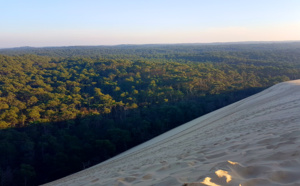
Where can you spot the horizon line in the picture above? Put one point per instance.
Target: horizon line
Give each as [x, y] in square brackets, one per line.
[132, 44]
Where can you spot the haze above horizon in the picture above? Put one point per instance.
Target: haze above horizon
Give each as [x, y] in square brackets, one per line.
[97, 22]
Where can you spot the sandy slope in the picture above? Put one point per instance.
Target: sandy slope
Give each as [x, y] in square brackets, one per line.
[255, 141]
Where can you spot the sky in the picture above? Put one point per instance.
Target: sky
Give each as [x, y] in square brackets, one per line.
[40, 23]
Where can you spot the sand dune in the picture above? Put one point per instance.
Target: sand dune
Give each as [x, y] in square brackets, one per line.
[255, 141]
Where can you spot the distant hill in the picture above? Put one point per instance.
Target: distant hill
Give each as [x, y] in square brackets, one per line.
[152, 49]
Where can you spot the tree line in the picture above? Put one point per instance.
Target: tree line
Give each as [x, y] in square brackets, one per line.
[59, 115]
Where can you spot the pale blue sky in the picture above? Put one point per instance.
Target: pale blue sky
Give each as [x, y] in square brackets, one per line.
[110, 22]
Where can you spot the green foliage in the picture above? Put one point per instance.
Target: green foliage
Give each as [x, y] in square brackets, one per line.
[66, 112]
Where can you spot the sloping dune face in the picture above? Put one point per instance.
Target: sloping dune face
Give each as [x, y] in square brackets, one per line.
[255, 141]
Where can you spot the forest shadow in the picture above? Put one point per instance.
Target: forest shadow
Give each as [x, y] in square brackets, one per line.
[43, 152]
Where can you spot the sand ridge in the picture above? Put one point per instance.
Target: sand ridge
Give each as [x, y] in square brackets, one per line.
[255, 141]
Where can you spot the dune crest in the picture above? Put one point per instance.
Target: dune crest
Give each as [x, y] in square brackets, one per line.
[253, 142]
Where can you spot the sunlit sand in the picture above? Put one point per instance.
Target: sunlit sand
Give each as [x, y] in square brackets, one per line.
[253, 142]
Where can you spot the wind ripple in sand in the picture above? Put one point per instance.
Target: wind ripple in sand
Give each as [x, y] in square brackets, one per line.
[261, 133]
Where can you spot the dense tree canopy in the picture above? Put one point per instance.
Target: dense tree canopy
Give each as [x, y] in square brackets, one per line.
[69, 108]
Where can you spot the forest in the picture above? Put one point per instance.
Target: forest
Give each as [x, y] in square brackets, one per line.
[64, 109]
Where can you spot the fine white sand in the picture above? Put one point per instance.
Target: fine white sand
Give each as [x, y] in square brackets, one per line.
[255, 141]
